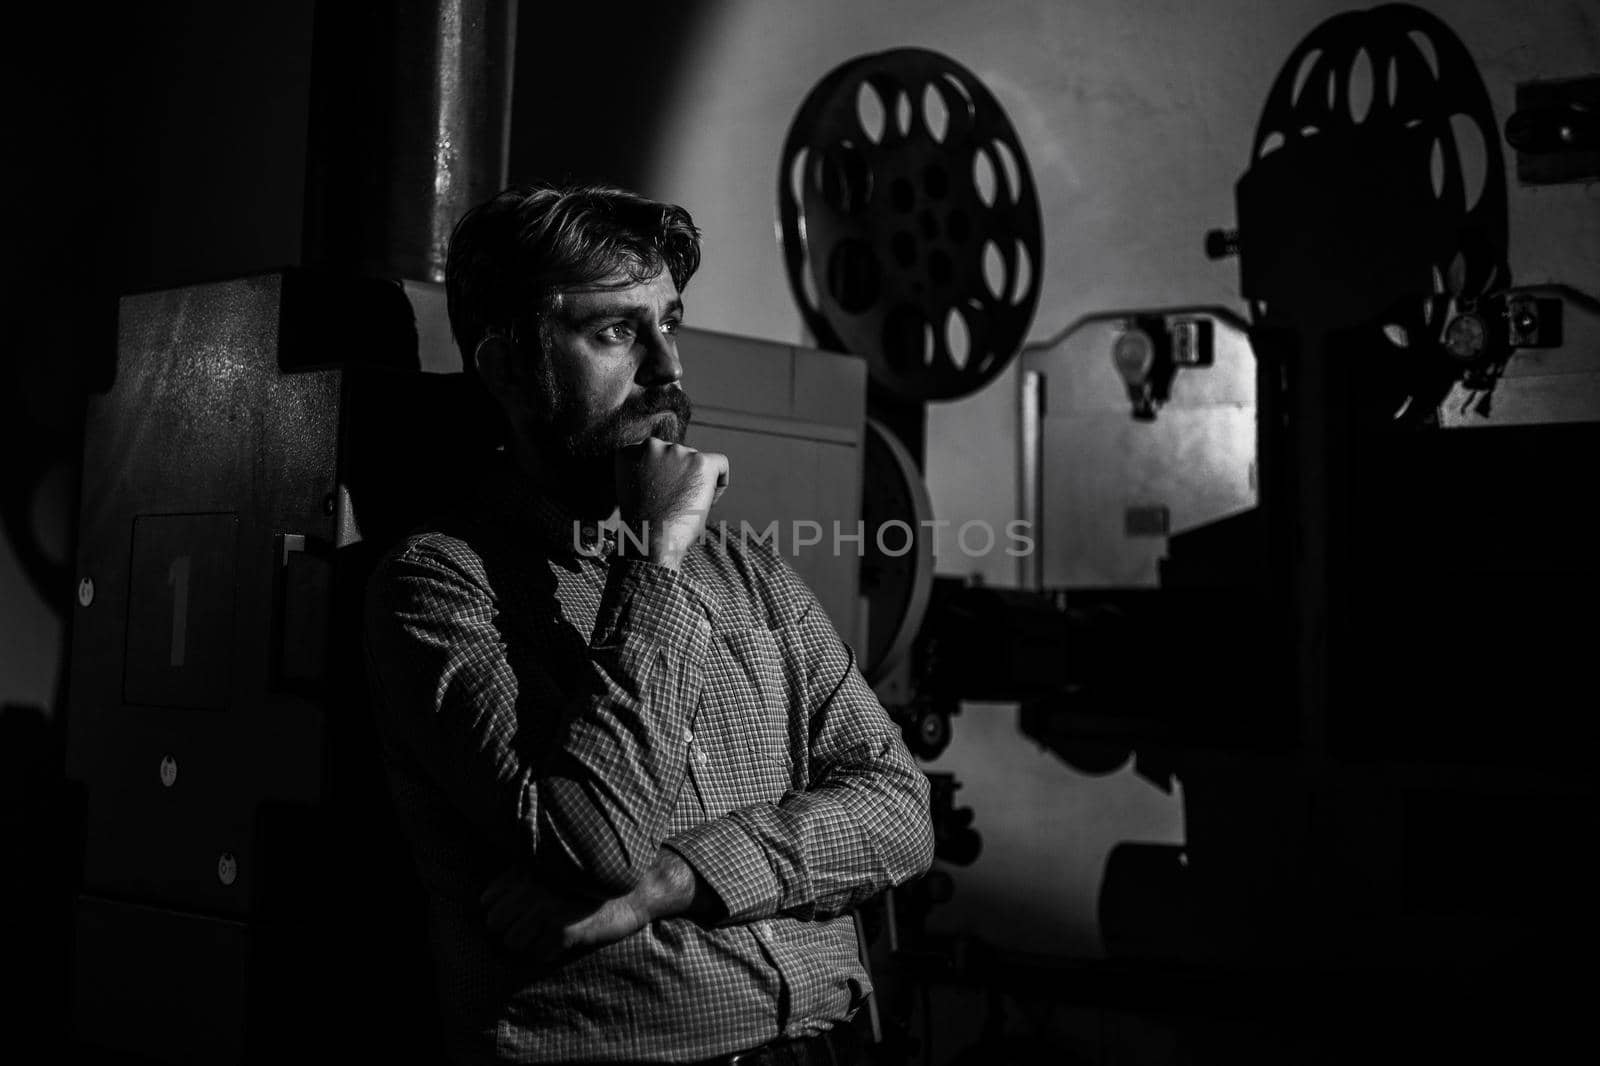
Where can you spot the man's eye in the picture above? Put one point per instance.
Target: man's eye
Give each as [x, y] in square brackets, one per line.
[671, 325]
[617, 331]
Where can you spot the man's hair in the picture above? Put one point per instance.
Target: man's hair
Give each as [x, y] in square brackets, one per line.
[511, 256]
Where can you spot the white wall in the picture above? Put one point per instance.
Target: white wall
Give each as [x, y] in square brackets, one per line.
[1137, 116]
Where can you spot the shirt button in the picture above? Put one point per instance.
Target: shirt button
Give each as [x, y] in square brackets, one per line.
[688, 737]
[765, 927]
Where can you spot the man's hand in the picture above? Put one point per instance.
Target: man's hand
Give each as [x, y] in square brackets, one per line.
[665, 492]
[532, 918]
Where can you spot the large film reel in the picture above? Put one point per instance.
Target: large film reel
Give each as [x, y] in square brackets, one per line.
[1381, 120]
[910, 223]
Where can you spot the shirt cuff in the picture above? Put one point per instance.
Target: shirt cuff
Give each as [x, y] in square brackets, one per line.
[732, 865]
[645, 600]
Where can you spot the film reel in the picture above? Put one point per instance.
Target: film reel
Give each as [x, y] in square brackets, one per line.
[910, 223]
[1381, 120]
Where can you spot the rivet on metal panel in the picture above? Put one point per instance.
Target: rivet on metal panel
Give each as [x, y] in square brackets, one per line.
[227, 868]
[169, 771]
[86, 591]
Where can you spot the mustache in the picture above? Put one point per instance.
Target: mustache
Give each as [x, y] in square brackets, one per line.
[669, 398]
[618, 429]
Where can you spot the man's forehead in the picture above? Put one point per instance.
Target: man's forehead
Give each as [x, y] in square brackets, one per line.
[618, 290]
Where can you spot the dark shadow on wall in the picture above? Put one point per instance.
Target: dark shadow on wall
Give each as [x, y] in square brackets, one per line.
[592, 83]
[203, 143]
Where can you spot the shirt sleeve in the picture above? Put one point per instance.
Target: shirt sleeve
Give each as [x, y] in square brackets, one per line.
[861, 824]
[592, 799]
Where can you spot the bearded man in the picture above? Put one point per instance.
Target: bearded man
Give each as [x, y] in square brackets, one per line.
[642, 776]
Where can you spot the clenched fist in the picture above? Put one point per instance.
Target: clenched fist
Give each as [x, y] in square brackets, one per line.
[665, 492]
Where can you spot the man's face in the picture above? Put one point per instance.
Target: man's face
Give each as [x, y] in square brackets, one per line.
[609, 375]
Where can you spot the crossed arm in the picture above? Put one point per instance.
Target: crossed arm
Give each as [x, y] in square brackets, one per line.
[587, 802]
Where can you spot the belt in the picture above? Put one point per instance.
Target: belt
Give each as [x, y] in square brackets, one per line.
[833, 1047]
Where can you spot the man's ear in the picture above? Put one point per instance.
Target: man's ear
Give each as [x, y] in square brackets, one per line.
[494, 359]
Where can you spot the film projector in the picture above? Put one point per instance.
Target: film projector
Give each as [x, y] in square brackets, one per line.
[912, 237]
[1383, 323]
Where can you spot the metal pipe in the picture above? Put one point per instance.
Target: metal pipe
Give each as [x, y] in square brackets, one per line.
[410, 126]
[1030, 487]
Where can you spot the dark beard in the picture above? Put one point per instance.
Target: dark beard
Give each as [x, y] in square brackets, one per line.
[619, 429]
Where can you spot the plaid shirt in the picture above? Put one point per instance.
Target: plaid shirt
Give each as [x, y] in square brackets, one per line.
[538, 702]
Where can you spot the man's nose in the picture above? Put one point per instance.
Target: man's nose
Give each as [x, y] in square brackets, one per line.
[660, 365]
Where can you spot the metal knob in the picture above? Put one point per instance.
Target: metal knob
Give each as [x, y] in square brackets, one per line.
[1222, 243]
